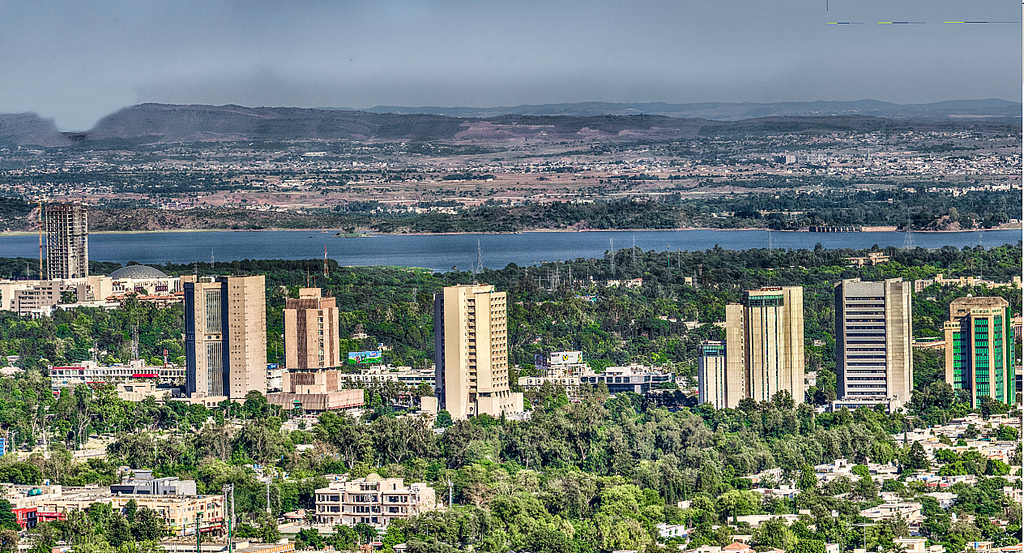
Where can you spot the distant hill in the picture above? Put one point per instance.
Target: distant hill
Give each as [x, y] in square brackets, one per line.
[176, 123]
[23, 129]
[726, 111]
[164, 123]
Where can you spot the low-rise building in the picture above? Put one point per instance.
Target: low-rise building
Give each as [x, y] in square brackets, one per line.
[34, 504]
[909, 510]
[142, 482]
[633, 378]
[317, 403]
[672, 530]
[94, 374]
[372, 500]
[386, 373]
[872, 258]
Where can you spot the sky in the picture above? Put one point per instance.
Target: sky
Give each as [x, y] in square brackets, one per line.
[76, 62]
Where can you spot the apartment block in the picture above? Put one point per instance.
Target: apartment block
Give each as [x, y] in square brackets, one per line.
[874, 333]
[67, 241]
[471, 352]
[764, 343]
[978, 349]
[372, 500]
[225, 336]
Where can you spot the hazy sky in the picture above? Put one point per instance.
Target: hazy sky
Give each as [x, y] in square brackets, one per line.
[78, 61]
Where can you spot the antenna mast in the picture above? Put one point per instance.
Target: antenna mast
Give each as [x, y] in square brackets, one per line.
[325, 260]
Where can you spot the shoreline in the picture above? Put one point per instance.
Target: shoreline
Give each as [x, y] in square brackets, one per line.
[529, 231]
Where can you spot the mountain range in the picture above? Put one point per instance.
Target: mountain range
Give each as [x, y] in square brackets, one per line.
[730, 111]
[165, 123]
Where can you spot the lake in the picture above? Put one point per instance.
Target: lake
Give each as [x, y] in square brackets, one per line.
[442, 252]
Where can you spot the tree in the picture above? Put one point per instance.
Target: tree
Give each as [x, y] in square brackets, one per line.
[8, 520]
[917, 459]
[309, 538]
[1006, 433]
[773, 533]
[8, 540]
[443, 420]
[807, 546]
[808, 480]
[148, 526]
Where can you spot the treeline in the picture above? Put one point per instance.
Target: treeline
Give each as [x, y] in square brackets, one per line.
[782, 210]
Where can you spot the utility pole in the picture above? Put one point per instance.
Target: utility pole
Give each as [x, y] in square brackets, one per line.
[268, 491]
[229, 491]
[199, 538]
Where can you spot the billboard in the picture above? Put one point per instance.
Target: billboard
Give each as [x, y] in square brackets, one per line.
[566, 357]
[358, 357]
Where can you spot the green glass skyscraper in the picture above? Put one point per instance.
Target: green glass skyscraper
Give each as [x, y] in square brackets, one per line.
[978, 348]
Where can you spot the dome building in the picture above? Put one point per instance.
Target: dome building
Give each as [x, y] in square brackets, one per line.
[144, 281]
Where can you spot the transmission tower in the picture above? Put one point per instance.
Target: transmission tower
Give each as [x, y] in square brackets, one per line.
[611, 250]
[479, 258]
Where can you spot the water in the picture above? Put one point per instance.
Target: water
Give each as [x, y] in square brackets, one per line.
[442, 252]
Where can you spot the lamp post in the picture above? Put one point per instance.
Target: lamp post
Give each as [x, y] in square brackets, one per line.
[199, 538]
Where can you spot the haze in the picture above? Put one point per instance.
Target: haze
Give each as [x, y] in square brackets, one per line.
[78, 61]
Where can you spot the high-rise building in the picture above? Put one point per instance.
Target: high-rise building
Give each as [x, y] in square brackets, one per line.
[311, 336]
[712, 384]
[67, 241]
[764, 343]
[471, 352]
[225, 336]
[874, 359]
[978, 349]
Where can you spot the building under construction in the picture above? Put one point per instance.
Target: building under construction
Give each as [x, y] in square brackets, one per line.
[67, 241]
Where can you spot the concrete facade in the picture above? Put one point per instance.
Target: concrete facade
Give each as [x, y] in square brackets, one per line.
[372, 500]
[874, 335]
[225, 336]
[67, 241]
[311, 335]
[764, 344]
[471, 352]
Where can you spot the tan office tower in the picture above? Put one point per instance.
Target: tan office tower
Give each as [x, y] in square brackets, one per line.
[874, 359]
[764, 343]
[226, 336]
[712, 384]
[979, 349]
[67, 241]
[311, 335]
[471, 352]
